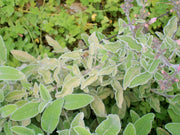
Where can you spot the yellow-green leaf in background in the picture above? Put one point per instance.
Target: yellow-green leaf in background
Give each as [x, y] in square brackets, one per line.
[7, 110]
[26, 111]
[110, 126]
[10, 73]
[22, 56]
[14, 95]
[50, 117]
[3, 52]
[44, 93]
[20, 130]
[98, 107]
[76, 101]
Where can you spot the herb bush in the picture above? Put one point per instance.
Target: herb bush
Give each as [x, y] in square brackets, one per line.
[129, 86]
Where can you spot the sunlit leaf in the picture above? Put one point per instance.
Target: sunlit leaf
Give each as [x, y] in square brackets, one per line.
[81, 130]
[26, 111]
[46, 74]
[20, 130]
[30, 69]
[22, 56]
[76, 101]
[10, 73]
[72, 55]
[3, 51]
[140, 79]
[36, 129]
[129, 130]
[14, 95]
[171, 27]
[44, 93]
[77, 121]
[144, 124]
[50, 117]
[110, 126]
[173, 128]
[89, 81]
[132, 43]
[42, 106]
[130, 74]
[7, 110]
[107, 70]
[98, 107]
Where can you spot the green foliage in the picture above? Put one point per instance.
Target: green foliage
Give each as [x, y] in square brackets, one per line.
[87, 90]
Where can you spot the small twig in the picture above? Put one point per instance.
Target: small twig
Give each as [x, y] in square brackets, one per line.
[164, 95]
[163, 14]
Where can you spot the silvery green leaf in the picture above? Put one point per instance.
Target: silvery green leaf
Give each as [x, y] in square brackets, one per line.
[36, 90]
[155, 103]
[42, 106]
[72, 55]
[20, 130]
[144, 63]
[22, 56]
[77, 121]
[63, 132]
[57, 48]
[76, 101]
[26, 111]
[81, 130]
[56, 76]
[110, 126]
[68, 87]
[158, 76]
[170, 43]
[3, 51]
[7, 110]
[145, 122]
[122, 25]
[89, 81]
[30, 69]
[171, 27]
[1, 96]
[98, 107]
[50, 116]
[134, 116]
[7, 127]
[160, 35]
[47, 75]
[44, 93]
[116, 85]
[107, 70]
[161, 131]
[119, 97]
[140, 79]
[173, 128]
[76, 70]
[10, 73]
[89, 62]
[129, 130]
[148, 53]
[131, 42]
[103, 93]
[36, 129]
[48, 63]
[85, 37]
[15, 95]
[140, 2]
[130, 74]
[154, 65]
[93, 39]
[113, 47]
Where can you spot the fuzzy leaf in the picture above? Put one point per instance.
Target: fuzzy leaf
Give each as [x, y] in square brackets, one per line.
[20, 130]
[140, 79]
[114, 47]
[81, 130]
[144, 124]
[36, 129]
[26, 111]
[46, 74]
[14, 95]
[130, 74]
[155, 103]
[154, 65]
[45, 95]
[132, 43]
[107, 70]
[72, 55]
[110, 126]
[161, 131]
[171, 27]
[1, 96]
[89, 81]
[134, 116]
[22, 56]
[140, 2]
[76, 101]
[10, 73]
[3, 52]
[173, 128]
[7, 110]
[77, 121]
[98, 107]
[129, 130]
[50, 117]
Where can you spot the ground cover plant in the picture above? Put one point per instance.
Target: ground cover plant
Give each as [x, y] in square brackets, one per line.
[127, 86]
